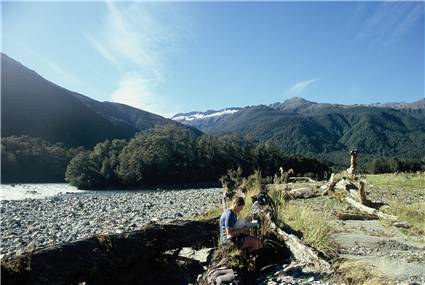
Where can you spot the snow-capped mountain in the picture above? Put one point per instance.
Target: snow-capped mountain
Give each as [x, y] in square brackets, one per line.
[182, 117]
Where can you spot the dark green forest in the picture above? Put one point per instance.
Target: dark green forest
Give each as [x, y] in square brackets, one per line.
[328, 132]
[175, 155]
[164, 155]
[31, 160]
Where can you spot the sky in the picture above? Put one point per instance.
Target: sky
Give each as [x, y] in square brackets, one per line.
[172, 57]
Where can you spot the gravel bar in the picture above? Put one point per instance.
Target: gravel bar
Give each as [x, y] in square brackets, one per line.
[33, 223]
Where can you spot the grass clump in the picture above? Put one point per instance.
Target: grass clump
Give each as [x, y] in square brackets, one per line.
[253, 186]
[413, 214]
[358, 272]
[316, 227]
[210, 214]
[233, 256]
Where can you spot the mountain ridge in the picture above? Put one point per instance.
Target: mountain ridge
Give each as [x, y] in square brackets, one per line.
[328, 131]
[297, 102]
[34, 106]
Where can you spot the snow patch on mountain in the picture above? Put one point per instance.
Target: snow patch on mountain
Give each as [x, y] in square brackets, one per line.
[204, 116]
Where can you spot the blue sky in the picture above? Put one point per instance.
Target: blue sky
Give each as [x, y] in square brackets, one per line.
[178, 57]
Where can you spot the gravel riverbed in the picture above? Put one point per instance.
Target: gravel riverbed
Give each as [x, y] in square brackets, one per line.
[33, 223]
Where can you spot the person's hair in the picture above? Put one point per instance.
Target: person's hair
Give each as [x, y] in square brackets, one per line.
[238, 201]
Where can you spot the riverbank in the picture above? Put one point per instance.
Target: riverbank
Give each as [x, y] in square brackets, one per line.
[33, 223]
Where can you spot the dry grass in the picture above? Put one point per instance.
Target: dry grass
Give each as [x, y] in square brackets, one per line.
[253, 186]
[316, 227]
[210, 214]
[359, 273]
[405, 194]
[233, 255]
[414, 214]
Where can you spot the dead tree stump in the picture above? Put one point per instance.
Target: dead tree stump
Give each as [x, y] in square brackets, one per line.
[362, 193]
[353, 164]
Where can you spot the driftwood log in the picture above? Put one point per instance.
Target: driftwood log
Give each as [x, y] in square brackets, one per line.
[301, 193]
[370, 210]
[360, 217]
[286, 247]
[285, 175]
[302, 253]
[106, 259]
[331, 184]
[345, 184]
[302, 178]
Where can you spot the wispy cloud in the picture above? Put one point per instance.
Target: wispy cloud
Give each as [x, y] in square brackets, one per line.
[390, 21]
[102, 49]
[134, 42]
[134, 90]
[300, 86]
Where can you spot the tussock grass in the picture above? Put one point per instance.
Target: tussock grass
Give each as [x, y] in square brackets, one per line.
[253, 186]
[233, 255]
[315, 226]
[210, 214]
[414, 214]
[359, 272]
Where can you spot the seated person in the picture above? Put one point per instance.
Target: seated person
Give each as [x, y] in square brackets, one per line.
[239, 236]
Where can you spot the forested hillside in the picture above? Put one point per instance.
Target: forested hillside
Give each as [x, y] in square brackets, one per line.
[329, 131]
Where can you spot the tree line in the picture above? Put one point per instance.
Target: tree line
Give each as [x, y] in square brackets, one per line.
[30, 160]
[173, 155]
[388, 165]
[165, 155]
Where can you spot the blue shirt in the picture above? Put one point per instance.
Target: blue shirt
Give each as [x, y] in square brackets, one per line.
[227, 220]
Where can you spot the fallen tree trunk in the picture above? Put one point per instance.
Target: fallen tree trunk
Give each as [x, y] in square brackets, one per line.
[360, 217]
[241, 267]
[331, 184]
[302, 253]
[278, 247]
[369, 210]
[301, 193]
[302, 178]
[106, 259]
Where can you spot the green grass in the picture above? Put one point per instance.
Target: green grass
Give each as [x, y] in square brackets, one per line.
[414, 214]
[405, 194]
[410, 182]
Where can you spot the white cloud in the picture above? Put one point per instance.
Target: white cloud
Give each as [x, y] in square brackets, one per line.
[134, 90]
[134, 41]
[300, 86]
[131, 35]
